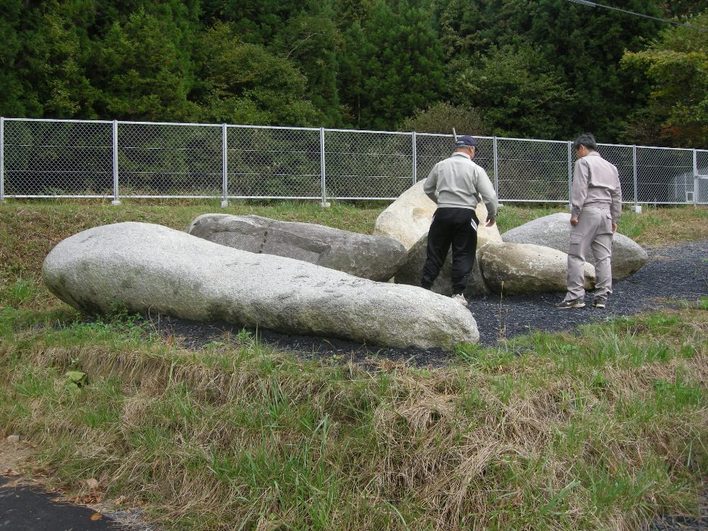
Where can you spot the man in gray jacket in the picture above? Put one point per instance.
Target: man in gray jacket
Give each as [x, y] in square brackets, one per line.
[596, 206]
[455, 184]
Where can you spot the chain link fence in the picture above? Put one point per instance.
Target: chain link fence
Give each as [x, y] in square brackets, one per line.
[112, 159]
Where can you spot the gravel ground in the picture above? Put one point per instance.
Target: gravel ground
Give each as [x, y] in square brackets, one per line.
[675, 273]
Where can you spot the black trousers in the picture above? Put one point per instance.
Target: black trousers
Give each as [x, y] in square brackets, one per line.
[456, 227]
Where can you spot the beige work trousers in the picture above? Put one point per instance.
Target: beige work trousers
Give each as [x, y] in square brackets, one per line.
[593, 233]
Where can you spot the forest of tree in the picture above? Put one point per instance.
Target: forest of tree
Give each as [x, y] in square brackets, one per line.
[522, 68]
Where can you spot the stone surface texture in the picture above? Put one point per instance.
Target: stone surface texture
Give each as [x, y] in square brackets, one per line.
[362, 255]
[554, 231]
[143, 267]
[408, 218]
[515, 268]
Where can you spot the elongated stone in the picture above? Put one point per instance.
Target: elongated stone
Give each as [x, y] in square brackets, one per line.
[144, 267]
[361, 255]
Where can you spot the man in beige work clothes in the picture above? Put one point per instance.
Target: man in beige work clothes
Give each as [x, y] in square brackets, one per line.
[596, 206]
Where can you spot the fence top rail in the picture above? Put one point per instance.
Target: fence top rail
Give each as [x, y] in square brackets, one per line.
[406, 133]
[444, 135]
[63, 120]
[129, 122]
[241, 126]
[533, 140]
[667, 148]
[483, 137]
[449, 135]
[616, 145]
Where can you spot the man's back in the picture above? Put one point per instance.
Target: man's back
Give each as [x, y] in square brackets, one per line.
[596, 182]
[455, 182]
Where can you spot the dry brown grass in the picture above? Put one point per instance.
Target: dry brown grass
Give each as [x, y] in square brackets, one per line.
[450, 448]
[656, 227]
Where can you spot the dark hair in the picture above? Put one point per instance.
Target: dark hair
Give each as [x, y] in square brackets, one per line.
[587, 140]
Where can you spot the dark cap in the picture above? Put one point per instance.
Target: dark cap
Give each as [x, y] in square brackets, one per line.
[466, 141]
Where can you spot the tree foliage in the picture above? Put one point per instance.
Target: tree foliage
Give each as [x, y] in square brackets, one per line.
[522, 94]
[677, 67]
[548, 68]
[399, 65]
[442, 117]
[245, 83]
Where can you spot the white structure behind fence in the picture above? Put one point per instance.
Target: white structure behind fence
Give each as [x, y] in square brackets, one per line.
[116, 159]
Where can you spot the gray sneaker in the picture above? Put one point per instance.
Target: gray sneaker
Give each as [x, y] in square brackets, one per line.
[459, 297]
[599, 302]
[567, 305]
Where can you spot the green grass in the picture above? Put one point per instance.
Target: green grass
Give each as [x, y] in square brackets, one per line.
[601, 428]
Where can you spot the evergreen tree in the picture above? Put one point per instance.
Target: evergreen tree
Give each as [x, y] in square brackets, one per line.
[677, 66]
[245, 83]
[312, 43]
[548, 68]
[394, 63]
[46, 55]
[521, 94]
[443, 117]
[684, 8]
[61, 55]
[143, 72]
[13, 101]
[581, 45]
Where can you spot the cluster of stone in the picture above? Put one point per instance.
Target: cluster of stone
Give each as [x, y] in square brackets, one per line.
[309, 279]
[528, 259]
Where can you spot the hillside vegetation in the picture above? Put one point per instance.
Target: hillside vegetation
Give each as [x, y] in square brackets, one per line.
[543, 69]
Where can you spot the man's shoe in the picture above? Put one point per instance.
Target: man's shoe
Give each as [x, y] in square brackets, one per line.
[599, 302]
[459, 297]
[567, 305]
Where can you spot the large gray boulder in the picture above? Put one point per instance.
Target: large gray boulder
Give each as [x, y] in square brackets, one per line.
[143, 267]
[408, 218]
[554, 231]
[514, 268]
[411, 270]
[362, 255]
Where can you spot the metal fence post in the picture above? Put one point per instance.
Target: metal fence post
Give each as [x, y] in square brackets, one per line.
[2, 159]
[323, 170]
[634, 179]
[570, 173]
[495, 153]
[415, 158]
[116, 197]
[224, 166]
[696, 180]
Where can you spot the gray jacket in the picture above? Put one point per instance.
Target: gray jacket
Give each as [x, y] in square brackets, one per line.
[456, 182]
[595, 184]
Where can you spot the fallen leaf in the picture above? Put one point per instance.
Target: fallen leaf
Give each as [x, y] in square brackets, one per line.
[95, 516]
